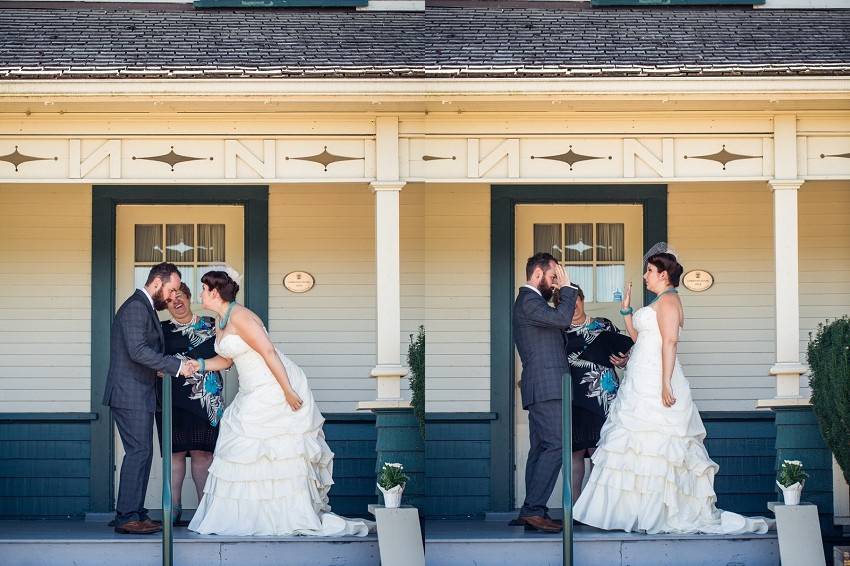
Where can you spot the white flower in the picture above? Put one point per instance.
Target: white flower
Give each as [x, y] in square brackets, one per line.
[793, 463]
[393, 465]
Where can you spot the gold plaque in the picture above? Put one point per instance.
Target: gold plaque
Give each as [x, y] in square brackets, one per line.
[698, 280]
[299, 281]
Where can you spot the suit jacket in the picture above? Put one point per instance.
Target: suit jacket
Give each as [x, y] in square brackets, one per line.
[135, 355]
[538, 334]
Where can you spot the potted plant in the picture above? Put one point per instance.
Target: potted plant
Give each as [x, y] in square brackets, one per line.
[391, 482]
[790, 480]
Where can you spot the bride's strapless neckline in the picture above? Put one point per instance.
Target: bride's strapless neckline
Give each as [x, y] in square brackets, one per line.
[220, 343]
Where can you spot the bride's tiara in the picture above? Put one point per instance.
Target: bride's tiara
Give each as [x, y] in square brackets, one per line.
[660, 248]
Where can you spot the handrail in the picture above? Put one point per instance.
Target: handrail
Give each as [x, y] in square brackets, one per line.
[167, 535]
[567, 465]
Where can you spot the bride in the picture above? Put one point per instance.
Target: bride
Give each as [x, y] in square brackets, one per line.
[271, 470]
[651, 470]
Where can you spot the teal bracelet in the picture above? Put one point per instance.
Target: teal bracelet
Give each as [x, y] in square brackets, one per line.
[202, 365]
[627, 311]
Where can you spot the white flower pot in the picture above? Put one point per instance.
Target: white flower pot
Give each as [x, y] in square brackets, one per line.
[392, 496]
[791, 494]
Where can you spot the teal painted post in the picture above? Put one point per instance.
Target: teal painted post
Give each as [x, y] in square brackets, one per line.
[167, 535]
[399, 440]
[798, 437]
[567, 465]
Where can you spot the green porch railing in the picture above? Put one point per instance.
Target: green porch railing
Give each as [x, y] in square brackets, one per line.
[167, 534]
[567, 465]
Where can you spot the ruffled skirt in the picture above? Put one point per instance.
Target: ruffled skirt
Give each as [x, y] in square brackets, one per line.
[651, 470]
[272, 469]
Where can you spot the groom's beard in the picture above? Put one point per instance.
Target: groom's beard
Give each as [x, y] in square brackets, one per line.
[159, 301]
[545, 291]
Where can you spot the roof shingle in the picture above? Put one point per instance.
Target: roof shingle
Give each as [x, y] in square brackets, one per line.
[122, 41]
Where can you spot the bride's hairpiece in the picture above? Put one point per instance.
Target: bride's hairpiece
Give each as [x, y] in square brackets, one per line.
[232, 273]
[660, 248]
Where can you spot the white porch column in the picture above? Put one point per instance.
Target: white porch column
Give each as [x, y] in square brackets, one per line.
[387, 188]
[786, 249]
[787, 368]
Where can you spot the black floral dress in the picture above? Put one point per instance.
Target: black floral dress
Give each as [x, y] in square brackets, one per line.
[594, 381]
[197, 401]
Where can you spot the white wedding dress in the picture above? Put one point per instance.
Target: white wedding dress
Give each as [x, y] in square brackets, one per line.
[272, 469]
[651, 470]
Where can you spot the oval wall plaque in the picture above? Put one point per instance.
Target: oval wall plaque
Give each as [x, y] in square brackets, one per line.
[698, 280]
[299, 281]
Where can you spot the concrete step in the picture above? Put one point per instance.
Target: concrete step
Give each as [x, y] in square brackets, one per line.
[43, 543]
[491, 543]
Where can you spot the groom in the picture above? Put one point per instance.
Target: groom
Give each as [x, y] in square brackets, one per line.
[136, 356]
[538, 333]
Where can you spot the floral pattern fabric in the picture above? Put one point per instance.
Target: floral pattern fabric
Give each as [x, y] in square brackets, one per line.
[595, 382]
[203, 390]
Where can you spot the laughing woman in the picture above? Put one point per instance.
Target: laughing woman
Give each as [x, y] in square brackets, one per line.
[196, 400]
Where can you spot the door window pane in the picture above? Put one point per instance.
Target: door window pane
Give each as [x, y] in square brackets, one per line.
[579, 244]
[611, 242]
[547, 238]
[148, 243]
[180, 246]
[140, 276]
[610, 280]
[211, 243]
[582, 275]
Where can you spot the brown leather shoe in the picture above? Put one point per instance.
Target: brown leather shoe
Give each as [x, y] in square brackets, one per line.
[138, 528]
[541, 524]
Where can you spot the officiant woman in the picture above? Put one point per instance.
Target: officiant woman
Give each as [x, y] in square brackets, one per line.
[197, 403]
[594, 382]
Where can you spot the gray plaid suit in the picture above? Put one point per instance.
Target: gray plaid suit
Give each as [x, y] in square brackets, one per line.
[136, 346]
[538, 334]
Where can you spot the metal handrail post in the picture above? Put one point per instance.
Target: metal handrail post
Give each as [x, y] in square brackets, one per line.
[567, 465]
[167, 535]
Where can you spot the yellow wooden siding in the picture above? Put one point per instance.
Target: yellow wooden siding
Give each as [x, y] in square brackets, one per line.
[824, 257]
[329, 231]
[412, 242]
[457, 297]
[728, 344]
[45, 313]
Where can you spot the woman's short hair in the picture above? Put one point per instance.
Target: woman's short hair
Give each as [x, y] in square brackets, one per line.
[667, 262]
[185, 289]
[220, 281]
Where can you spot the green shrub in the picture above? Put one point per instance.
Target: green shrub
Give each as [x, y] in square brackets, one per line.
[829, 360]
[416, 363]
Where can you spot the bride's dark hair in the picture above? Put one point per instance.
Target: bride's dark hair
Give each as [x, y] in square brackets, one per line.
[667, 262]
[220, 281]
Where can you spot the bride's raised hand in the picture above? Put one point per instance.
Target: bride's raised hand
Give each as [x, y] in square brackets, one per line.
[293, 399]
[667, 395]
[627, 297]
